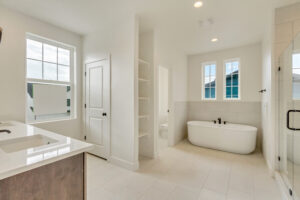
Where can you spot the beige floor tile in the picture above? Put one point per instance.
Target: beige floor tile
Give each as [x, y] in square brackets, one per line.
[242, 182]
[100, 194]
[237, 195]
[140, 183]
[118, 184]
[183, 193]
[218, 180]
[184, 172]
[127, 194]
[164, 186]
[154, 194]
[211, 195]
[191, 178]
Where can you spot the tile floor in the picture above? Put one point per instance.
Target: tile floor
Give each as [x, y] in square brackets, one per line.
[184, 172]
[162, 143]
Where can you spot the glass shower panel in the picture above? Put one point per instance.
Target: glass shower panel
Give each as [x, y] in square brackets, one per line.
[295, 117]
[289, 116]
[285, 97]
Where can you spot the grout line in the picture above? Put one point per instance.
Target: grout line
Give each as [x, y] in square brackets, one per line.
[229, 179]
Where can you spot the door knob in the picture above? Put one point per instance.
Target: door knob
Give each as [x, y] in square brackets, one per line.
[104, 114]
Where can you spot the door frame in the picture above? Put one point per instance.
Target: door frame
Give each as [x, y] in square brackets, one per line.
[170, 105]
[108, 58]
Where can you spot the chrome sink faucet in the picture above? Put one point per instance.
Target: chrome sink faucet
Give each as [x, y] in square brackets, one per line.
[219, 120]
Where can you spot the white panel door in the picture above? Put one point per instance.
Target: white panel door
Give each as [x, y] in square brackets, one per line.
[97, 101]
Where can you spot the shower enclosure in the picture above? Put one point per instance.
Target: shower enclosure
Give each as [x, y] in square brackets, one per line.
[289, 117]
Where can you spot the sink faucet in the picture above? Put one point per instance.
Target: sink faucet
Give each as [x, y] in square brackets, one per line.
[219, 120]
[5, 131]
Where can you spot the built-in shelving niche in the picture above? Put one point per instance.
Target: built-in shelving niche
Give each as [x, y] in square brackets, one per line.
[144, 98]
[145, 90]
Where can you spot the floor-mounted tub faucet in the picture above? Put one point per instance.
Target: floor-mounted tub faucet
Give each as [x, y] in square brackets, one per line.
[220, 120]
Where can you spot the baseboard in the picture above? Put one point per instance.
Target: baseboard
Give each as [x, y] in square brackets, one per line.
[124, 163]
[283, 189]
[270, 169]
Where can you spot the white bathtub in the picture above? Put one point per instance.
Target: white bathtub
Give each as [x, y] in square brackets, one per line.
[233, 138]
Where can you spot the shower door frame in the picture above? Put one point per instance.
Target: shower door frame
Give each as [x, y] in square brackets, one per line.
[284, 125]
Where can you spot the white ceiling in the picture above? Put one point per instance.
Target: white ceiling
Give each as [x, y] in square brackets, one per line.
[236, 22]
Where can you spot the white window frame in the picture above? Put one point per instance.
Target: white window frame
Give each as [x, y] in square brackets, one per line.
[203, 81]
[71, 83]
[224, 79]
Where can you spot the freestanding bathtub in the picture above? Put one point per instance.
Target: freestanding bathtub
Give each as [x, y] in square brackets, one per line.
[233, 138]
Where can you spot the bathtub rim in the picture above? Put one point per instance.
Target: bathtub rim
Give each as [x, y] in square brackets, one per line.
[210, 124]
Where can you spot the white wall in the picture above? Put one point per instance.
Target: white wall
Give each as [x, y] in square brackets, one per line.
[118, 41]
[250, 64]
[268, 123]
[168, 55]
[13, 63]
[163, 94]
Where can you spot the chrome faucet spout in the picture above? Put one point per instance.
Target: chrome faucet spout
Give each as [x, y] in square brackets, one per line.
[220, 120]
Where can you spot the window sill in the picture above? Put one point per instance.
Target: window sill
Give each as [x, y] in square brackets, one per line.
[51, 121]
[220, 101]
[209, 100]
[232, 100]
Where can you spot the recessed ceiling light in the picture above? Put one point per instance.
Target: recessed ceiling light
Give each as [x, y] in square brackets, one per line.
[198, 4]
[215, 40]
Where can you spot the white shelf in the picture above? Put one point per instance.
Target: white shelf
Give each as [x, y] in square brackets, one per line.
[144, 98]
[143, 80]
[141, 61]
[143, 134]
[143, 116]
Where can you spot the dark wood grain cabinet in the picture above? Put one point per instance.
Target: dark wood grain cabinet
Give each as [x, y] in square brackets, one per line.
[61, 180]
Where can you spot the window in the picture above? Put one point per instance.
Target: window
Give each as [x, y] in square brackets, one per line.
[50, 79]
[209, 81]
[232, 80]
[296, 76]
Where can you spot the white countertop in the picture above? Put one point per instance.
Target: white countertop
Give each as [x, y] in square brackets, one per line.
[24, 160]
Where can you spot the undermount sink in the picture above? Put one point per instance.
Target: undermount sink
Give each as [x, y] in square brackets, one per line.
[18, 144]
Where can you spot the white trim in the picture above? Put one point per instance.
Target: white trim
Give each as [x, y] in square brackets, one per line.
[50, 121]
[141, 61]
[124, 163]
[41, 81]
[270, 169]
[296, 51]
[203, 81]
[224, 79]
[42, 39]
